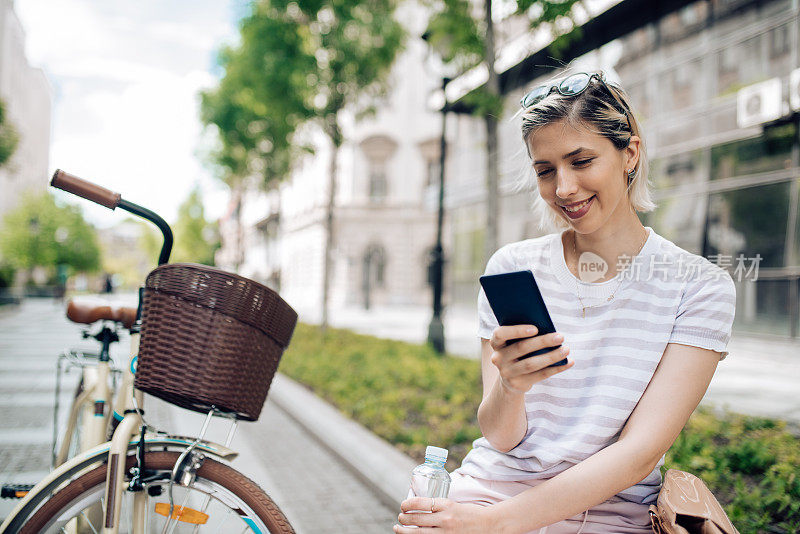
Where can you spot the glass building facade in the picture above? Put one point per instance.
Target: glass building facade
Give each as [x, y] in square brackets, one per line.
[726, 188]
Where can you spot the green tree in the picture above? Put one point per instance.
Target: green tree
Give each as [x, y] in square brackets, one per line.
[259, 103]
[300, 62]
[465, 38]
[8, 136]
[41, 233]
[196, 239]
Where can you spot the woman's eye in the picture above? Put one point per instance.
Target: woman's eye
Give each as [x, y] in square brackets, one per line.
[544, 172]
[583, 162]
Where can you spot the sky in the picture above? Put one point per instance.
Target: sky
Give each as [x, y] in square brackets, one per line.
[125, 78]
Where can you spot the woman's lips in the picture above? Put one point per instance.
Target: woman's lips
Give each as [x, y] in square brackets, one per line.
[581, 212]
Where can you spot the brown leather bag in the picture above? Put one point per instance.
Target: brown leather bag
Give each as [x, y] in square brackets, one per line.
[685, 505]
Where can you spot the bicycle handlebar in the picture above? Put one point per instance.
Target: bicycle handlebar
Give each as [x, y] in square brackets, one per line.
[104, 197]
[82, 188]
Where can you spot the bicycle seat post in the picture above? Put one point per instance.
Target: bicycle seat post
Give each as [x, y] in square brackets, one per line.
[106, 336]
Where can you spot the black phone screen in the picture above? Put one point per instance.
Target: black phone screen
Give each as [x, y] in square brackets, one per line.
[515, 299]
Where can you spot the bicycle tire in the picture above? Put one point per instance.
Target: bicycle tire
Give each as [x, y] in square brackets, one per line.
[212, 471]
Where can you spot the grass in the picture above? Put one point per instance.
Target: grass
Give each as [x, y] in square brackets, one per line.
[411, 397]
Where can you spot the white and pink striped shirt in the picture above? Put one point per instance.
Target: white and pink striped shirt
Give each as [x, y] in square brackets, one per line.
[666, 295]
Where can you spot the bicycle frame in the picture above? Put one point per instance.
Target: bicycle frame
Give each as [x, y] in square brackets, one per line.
[118, 451]
[126, 437]
[94, 401]
[130, 432]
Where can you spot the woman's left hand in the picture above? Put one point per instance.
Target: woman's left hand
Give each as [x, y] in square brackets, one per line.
[446, 516]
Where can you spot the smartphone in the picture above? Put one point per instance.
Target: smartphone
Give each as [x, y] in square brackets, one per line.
[515, 299]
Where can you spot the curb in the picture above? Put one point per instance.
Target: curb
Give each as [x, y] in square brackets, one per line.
[372, 459]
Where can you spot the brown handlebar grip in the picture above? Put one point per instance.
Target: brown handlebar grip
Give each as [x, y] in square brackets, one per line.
[82, 188]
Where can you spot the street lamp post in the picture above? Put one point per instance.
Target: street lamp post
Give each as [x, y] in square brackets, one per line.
[436, 328]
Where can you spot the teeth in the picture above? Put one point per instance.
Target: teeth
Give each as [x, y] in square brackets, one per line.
[579, 206]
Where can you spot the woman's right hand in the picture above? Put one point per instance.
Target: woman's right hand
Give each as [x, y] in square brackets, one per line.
[516, 375]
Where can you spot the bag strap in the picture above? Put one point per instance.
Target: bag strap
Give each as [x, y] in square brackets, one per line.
[655, 521]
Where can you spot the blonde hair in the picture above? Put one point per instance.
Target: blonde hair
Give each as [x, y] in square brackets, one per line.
[604, 109]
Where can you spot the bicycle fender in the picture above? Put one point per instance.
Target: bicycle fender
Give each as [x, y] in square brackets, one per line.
[92, 457]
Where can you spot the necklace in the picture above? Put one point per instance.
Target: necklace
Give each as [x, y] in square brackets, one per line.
[621, 278]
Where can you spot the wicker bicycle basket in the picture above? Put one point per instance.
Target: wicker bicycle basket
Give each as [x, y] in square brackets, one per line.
[211, 339]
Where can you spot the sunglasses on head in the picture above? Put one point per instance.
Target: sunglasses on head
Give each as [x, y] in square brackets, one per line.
[570, 86]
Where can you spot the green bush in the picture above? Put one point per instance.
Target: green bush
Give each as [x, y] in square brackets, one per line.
[402, 392]
[411, 397]
[751, 464]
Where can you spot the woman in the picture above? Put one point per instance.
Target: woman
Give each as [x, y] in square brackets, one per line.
[577, 448]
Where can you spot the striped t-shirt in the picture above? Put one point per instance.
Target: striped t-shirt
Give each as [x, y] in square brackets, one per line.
[665, 295]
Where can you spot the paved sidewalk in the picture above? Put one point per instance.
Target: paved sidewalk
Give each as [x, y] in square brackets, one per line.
[315, 489]
[760, 376]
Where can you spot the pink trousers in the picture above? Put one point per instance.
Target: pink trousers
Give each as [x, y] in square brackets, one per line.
[615, 516]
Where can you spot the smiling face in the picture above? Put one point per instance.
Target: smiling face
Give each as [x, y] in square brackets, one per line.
[582, 176]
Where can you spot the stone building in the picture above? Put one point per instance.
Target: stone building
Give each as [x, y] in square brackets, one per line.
[27, 95]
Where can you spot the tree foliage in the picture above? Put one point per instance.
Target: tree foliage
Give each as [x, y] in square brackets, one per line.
[300, 62]
[458, 32]
[296, 62]
[196, 239]
[262, 97]
[41, 233]
[8, 136]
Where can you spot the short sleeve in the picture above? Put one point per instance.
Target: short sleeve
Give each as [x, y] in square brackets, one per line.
[706, 311]
[501, 261]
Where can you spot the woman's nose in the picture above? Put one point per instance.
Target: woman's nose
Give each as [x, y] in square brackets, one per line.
[566, 185]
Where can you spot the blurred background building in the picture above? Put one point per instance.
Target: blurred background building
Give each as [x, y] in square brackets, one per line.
[28, 98]
[715, 84]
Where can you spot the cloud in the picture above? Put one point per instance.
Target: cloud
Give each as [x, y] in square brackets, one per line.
[127, 77]
[143, 141]
[106, 69]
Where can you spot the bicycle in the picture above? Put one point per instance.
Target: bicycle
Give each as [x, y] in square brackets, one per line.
[144, 480]
[91, 407]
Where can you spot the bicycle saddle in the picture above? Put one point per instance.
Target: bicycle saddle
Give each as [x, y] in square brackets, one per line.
[90, 312]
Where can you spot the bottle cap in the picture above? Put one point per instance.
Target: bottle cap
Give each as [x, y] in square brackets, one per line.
[436, 454]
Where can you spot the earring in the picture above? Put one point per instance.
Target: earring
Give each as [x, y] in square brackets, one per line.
[631, 175]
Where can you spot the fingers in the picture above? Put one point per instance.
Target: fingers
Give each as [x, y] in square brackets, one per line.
[420, 504]
[416, 512]
[399, 529]
[418, 519]
[526, 346]
[507, 354]
[502, 334]
[539, 362]
[550, 371]
[520, 375]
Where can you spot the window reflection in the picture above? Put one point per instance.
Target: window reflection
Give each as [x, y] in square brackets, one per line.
[769, 152]
[681, 220]
[749, 221]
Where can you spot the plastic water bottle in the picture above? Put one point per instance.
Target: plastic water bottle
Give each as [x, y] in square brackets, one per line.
[431, 479]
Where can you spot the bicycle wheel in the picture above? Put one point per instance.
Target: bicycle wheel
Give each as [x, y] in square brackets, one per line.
[226, 499]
